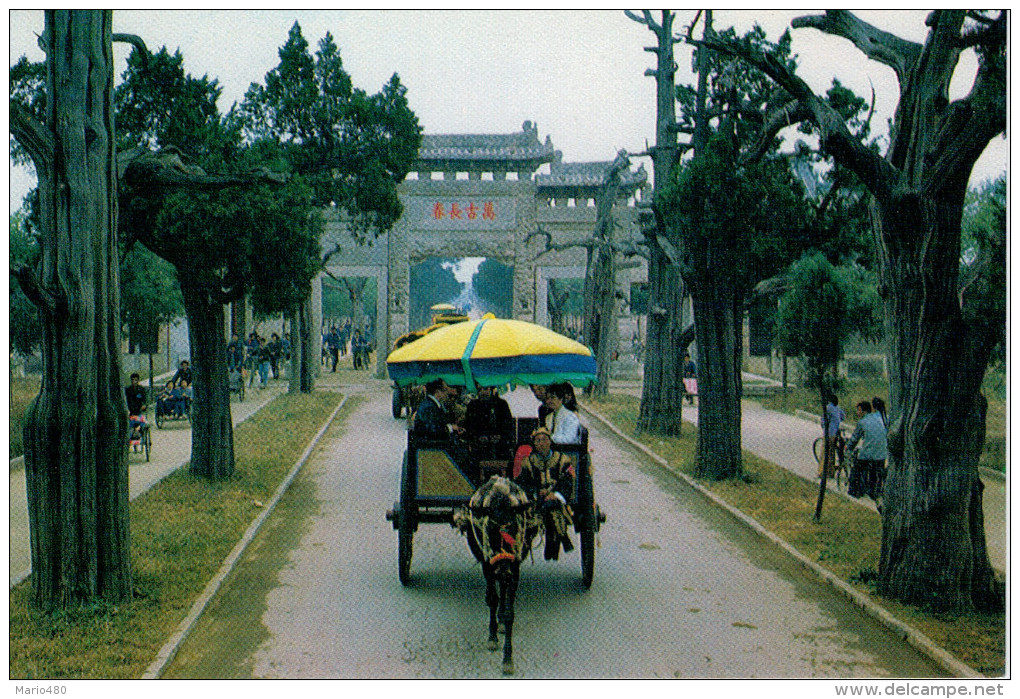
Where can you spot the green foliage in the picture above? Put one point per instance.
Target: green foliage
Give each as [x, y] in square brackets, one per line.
[741, 223]
[158, 105]
[733, 83]
[432, 281]
[983, 264]
[149, 294]
[254, 239]
[25, 327]
[27, 90]
[353, 148]
[494, 285]
[336, 299]
[824, 307]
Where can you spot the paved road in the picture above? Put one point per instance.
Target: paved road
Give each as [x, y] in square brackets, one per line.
[171, 448]
[680, 589]
[786, 440]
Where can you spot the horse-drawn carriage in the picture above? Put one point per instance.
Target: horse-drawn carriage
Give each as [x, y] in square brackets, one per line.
[438, 478]
[444, 480]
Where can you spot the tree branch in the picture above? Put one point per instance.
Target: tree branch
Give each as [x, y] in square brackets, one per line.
[773, 286]
[587, 243]
[669, 250]
[899, 54]
[778, 119]
[33, 136]
[646, 18]
[166, 170]
[48, 301]
[329, 255]
[135, 41]
[874, 171]
[970, 123]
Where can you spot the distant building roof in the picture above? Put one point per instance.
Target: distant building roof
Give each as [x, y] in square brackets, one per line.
[514, 151]
[568, 179]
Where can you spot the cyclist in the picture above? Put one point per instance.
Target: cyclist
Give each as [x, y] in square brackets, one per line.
[834, 416]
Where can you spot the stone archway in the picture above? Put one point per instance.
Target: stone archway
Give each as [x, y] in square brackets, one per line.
[482, 195]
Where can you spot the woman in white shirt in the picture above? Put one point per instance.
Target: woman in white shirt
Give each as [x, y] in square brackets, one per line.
[561, 422]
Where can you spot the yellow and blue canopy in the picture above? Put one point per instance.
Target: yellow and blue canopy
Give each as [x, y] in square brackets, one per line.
[492, 352]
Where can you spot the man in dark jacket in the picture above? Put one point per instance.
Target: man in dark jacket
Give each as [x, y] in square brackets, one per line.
[432, 419]
[135, 395]
[490, 424]
[183, 374]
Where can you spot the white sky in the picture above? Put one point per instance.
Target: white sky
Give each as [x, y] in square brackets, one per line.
[578, 74]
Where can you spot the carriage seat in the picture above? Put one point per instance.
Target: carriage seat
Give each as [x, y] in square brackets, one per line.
[493, 467]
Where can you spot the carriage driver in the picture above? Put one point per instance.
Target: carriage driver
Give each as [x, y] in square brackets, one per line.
[548, 478]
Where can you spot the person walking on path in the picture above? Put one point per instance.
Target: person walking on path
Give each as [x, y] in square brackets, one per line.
[866, 477]
[690, 378]
[264, 358]
[334, 343]
[275, 352]
[831, 422]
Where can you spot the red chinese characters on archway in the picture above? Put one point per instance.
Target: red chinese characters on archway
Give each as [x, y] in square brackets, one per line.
[469, 211]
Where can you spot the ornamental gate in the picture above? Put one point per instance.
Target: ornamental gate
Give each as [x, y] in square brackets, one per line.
[482, 195]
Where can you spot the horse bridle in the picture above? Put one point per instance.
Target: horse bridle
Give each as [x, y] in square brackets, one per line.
[481, 517]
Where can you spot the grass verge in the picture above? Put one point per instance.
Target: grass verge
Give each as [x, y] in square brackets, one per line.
[847, 541]
[181, 531]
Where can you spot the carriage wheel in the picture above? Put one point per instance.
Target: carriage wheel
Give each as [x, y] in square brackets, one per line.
[398, 404]
[588, 524]
[159, 419]
[587, 556]
[405, 549]
[407, 525]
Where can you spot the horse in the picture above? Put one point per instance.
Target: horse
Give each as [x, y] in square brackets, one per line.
[500, 524]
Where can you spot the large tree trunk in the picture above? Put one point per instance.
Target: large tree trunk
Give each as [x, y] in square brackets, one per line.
[212, 428]
[604, 318]
[661, 393]
[600, 278]
[76, 429]
[933, 490]
[305, 351]
[717, 322]
[556, 301]
[297, 350]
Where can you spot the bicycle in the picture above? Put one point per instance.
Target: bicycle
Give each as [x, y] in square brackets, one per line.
[841, 468]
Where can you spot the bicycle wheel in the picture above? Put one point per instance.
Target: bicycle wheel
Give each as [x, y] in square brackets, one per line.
[819, 449]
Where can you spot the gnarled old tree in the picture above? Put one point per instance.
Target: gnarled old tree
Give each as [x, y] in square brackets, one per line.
[941, 331]
[600, 331]
[734, 217]
[76, 428]
[666, 341]
[247, 231]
